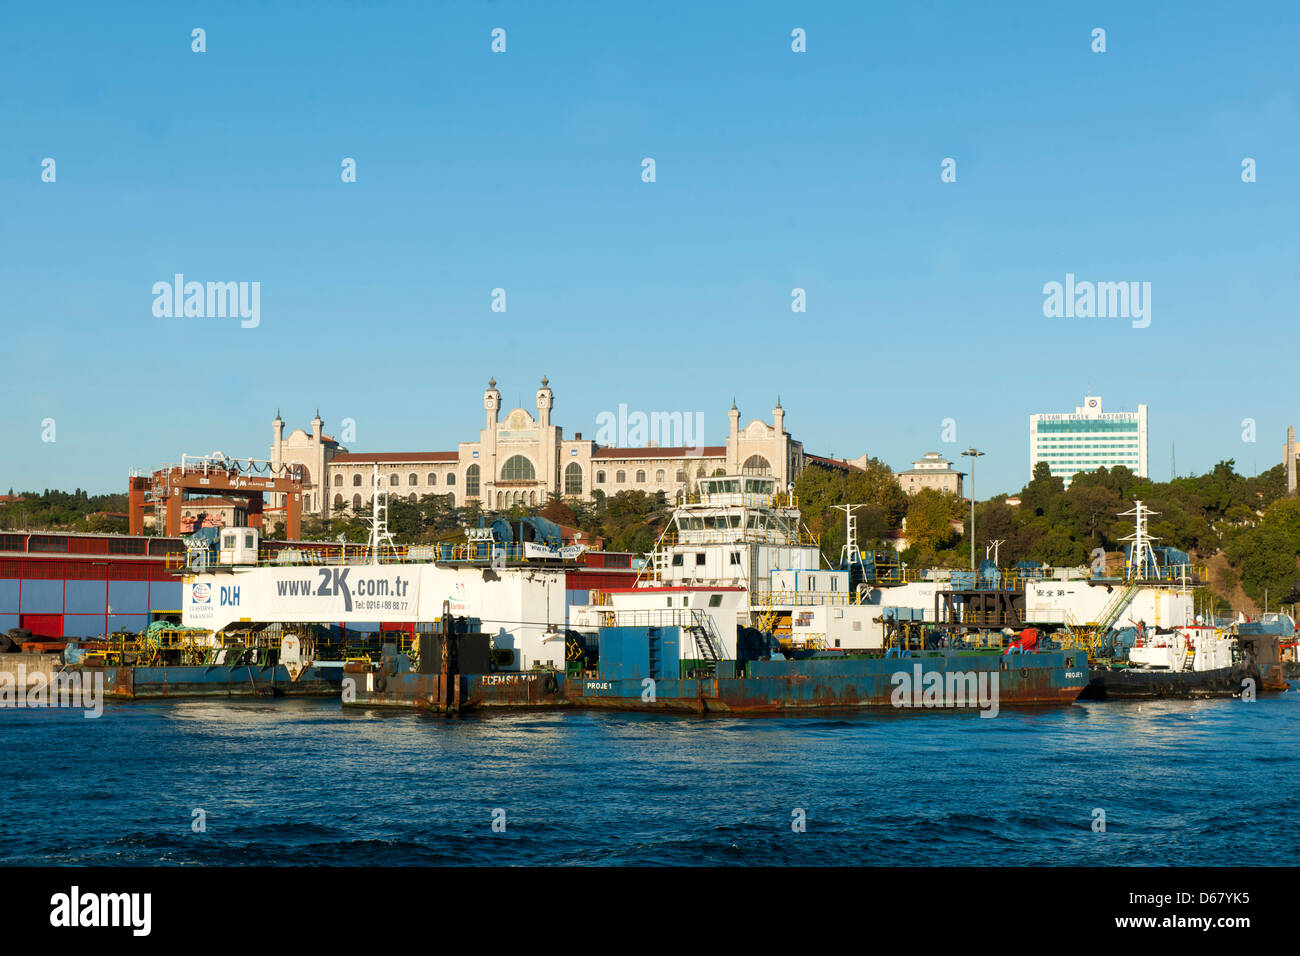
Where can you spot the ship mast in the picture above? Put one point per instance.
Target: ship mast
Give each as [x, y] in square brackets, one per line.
[379, 533]
[1142, 556]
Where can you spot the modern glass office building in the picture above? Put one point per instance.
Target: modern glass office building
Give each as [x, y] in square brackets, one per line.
[1089, 439]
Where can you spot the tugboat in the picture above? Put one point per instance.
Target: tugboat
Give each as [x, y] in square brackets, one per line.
[1200, 660]
[1190, 660]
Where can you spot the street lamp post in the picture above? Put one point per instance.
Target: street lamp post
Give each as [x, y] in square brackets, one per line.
[972, 454]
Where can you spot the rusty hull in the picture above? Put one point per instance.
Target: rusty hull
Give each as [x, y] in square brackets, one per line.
[176, 682]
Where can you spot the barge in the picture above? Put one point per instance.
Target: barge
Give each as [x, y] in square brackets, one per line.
[654, 668]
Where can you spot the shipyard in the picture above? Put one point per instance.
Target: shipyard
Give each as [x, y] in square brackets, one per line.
[735, 608]
[520, 445]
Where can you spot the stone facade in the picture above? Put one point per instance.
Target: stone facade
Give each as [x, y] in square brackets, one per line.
[931, 470]
[524, 458]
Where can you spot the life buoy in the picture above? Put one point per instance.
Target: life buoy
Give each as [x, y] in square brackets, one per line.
[381, 683]
[550, 684]
[1024, 673]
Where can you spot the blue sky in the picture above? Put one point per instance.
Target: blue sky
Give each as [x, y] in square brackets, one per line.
[522, 171]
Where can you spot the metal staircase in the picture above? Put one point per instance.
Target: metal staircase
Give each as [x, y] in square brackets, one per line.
[1089, 635]
[767, 613]
[707, 640]
[1110, 614]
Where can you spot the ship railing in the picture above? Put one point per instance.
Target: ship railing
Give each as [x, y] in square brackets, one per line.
[801, 598]
[478, 552]
[683, 617]
[746, 499]
[774, 536]
[894, 575]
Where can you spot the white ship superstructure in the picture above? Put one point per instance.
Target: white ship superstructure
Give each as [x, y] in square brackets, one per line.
[738, 552]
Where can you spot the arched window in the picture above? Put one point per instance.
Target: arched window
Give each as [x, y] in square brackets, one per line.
[659, 476]
[699, 472]
[640, 477]
[600, 477]
[413, 479]
[411, 499]
[681, 476]
[392, 480]
[573, 479]
[356, 502]
[338, 501]
[433, 479]
[517, 468]
[451, 478]
[756, 465]
[338, 481]
[356, 481]
[471, 481]
[620, 477]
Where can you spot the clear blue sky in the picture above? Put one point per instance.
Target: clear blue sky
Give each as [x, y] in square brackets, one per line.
[775, 170]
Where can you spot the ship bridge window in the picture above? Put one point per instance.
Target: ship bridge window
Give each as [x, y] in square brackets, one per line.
[699, 558]
[677, 560]
[715, 600]
[735, 557]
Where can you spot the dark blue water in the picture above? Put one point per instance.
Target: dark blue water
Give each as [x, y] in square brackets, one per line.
[299, 782]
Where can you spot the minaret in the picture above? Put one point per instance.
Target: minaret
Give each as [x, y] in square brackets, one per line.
[733, 440]
[781, 456]
[277, 430]
[316, 480]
